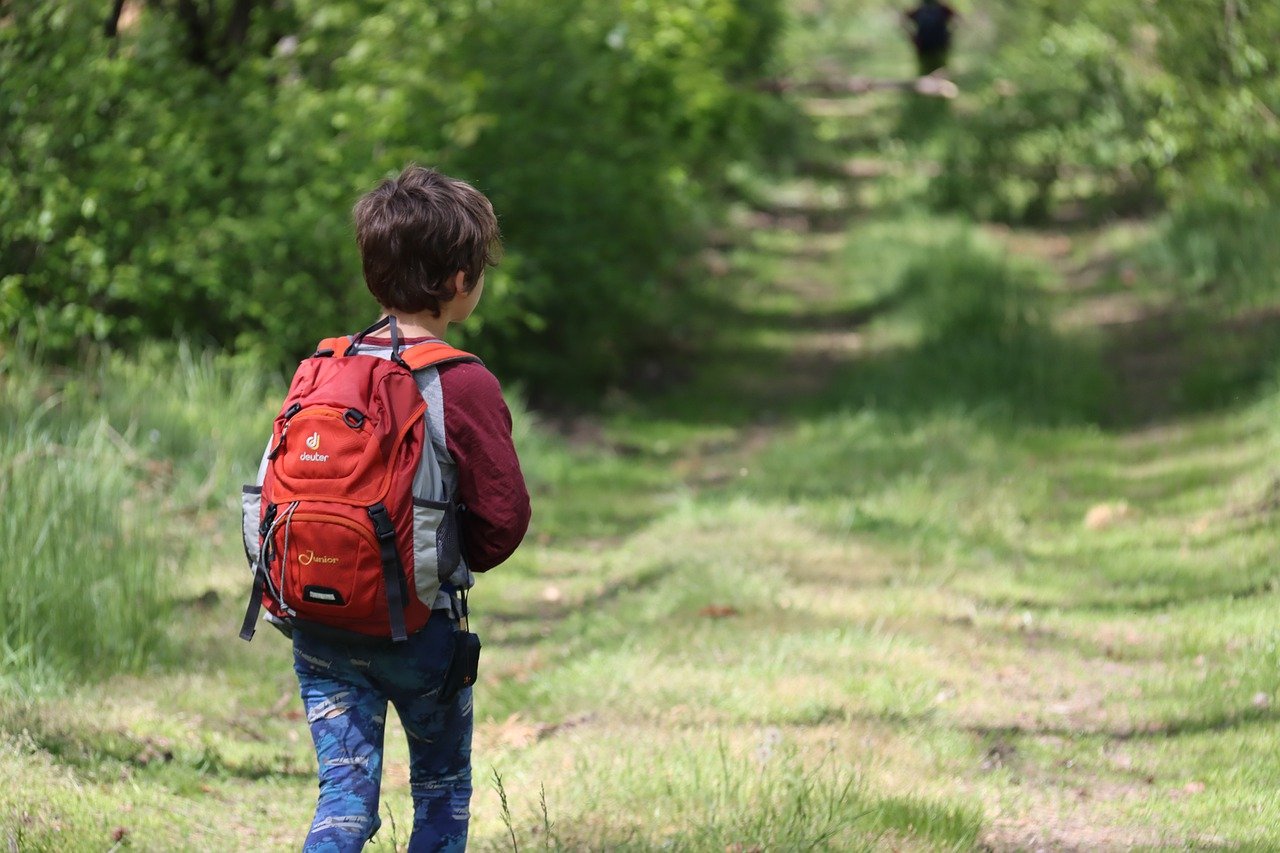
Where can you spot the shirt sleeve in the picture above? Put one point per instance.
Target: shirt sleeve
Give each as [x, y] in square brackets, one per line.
[490, 483]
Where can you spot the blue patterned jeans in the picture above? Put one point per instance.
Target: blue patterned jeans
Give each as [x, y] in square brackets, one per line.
[345, 689]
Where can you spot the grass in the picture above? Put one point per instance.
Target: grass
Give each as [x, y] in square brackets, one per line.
[82, 576]
[859, 576]
[107, 487]
[1220, 250]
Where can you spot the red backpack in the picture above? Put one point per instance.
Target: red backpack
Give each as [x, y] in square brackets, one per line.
[336, 538]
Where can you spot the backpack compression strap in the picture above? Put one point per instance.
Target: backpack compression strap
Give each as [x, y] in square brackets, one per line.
[392, 570]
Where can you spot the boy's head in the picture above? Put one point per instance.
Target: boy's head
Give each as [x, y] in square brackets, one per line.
[417, 232]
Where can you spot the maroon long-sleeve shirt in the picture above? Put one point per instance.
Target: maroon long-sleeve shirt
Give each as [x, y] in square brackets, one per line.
[490, 483]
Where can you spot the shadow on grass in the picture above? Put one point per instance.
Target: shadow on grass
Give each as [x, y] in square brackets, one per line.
[105, 752]
[1113, 599]
[529, 626]
[985, 347]
[1214, 722]
[1183, 362]
[981, 346]
[1031, 376]
[921, 117]
[803, 218]
[843, 319]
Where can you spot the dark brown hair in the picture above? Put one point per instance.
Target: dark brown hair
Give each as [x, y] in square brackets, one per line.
[416, 231]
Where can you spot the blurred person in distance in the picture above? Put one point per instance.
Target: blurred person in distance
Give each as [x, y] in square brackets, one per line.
[929, 26]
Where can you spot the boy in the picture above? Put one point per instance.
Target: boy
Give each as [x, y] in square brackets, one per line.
[930, 25]
[425, 240]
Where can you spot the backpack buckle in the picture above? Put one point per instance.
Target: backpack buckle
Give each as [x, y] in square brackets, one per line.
[382, 527]
[268, 518]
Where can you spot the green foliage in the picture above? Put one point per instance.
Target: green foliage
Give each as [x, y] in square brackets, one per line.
[1062, 116]
[145, 194]
[1117, 105]
[604, 130]
[1219, 118]
[84, 579]
[170, 184]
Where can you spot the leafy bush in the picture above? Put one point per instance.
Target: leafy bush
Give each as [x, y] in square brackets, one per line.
[1219, 118]
[605, 132]
[199, 182]
[1119, 105]
[1063, 118]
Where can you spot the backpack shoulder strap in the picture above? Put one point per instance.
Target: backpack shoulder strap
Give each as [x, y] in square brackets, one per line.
[433, 353]
[333, 346]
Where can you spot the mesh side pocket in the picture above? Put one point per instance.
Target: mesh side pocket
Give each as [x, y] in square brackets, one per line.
[430, 530]
[448, 548]
[251, 518]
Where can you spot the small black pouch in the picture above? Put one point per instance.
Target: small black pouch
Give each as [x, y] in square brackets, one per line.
[463, 666]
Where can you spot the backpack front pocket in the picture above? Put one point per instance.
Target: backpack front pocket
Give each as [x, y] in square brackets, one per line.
[331, 568]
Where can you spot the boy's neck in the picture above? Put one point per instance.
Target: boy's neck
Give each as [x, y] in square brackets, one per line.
[421, 325]
[453, 310]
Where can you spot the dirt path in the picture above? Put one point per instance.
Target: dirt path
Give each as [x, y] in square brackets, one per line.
[1049, 702]
[1023, 694]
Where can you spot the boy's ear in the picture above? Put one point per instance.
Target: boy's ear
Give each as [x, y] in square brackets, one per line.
[459, 283]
